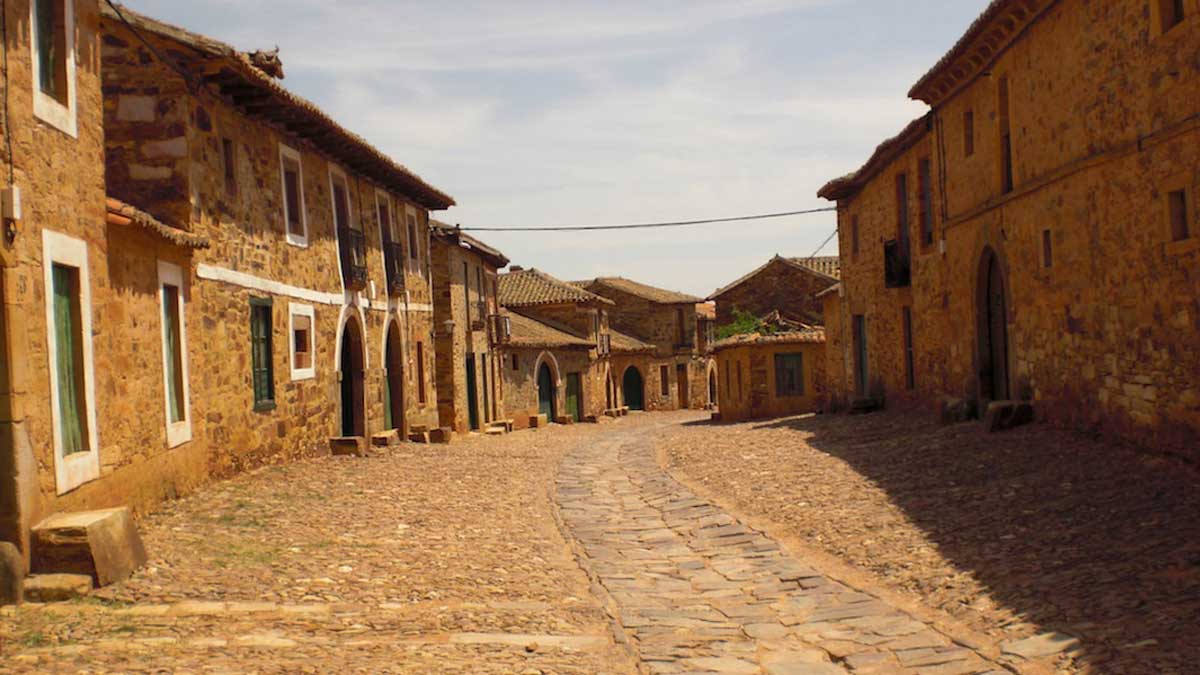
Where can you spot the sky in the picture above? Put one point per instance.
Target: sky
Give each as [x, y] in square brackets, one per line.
[539, 113]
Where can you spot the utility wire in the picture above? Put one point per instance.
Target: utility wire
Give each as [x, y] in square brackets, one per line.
[643, 226]
[823, 245]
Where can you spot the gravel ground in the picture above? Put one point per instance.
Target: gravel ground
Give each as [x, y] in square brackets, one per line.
[422, 559]
[1012, 535]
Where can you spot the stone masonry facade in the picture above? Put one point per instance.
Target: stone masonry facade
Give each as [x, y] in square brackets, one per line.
[1052, 239]
[787, 285]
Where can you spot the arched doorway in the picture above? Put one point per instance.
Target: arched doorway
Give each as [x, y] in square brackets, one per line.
[633, 388]
[547, 392]
[994, 380]
[712, 386]
[393, 386]
[351, 367]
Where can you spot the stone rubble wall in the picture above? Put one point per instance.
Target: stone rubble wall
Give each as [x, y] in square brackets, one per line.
[780, 286]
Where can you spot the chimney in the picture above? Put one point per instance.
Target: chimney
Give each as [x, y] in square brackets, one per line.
[515, 268]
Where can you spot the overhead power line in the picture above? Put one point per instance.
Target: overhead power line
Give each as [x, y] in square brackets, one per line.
[823, 245]
[644, 226]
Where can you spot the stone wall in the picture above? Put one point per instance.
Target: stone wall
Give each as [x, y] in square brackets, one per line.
[757, 397]
[521, 387]
[468, 336]
[1102, 335]
[781, 285]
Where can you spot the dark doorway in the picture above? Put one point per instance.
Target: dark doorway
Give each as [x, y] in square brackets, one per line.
[353, 421]
[712, 387]
[860, 355]
[393, 389]
[610, 392]
[574, 397]
[993, 330]
[472, 398]
[633, 389]
[546, 392]
[681, 385]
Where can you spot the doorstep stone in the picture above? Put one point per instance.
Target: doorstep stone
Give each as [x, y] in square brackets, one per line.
[57, 587]
[954, 410]
[387, 438]
[102, 544]
[348, 446]
[1002, 415]
[12, 574]
[538, 421]
[564, 419]
[441, 435]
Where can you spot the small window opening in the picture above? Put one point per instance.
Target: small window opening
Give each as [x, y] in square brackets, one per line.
[302, 339]
[516, 362]
[1172, 13]
[1178, 211]
[925, 178]
[293, 205]
[229, 159]
[1047, 249]
[50, 26]
[969, 133]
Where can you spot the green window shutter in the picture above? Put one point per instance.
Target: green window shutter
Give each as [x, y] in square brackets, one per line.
[174, 374]
[68, 358]
[260, 353]
[789, 374]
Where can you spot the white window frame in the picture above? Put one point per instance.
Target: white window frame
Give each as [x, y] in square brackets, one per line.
[179, 432]
[414, 242]
[382, 197]
[46, 107]
[336, 172]
[71, 472]
[295, 310]
[285, 153]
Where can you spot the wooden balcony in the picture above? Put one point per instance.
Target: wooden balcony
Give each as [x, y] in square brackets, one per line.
[352, 247]
[500, 332]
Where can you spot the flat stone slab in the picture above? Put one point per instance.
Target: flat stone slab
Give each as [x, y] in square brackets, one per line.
[1038, 646]
[57, 587]
[102, 544]
[349, 446]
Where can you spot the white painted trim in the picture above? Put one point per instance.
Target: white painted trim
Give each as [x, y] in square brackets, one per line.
[295, 310]
[71, 472]
[179, 432]
[272, 287]
[286, 152]
[46, 107]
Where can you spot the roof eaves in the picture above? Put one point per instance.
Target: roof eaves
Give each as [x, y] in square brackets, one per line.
[849, 185]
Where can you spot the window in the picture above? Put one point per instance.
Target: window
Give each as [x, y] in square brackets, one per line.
[909, 366]
[262, 373]
[383, 206]
[302, 327]
[69, 348]
[52, 39]
[789, 374]
[854, 236]
[1170, 14]
[481, 296]
[968, 133]
[229, 159]
[294, 215]
[412, 238]
[1177, 211]
[339, 189]
[421, 373]
[516, 363]
[902, 209]
[466, 286]
[925, 180]
[664, 377]
[1047, 250]
[175, 362]
[1006, 158]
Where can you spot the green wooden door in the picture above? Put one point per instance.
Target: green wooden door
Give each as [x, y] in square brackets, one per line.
[68, 358]
[472, 398]
[574, 397]
[546, 403]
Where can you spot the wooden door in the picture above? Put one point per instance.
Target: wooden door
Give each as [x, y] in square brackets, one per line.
[472, 397]
[574, 397]
[633, 389]
[681, 385]
[546, 393]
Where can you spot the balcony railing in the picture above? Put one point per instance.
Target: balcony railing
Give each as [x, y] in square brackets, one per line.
[897, 266]
[393, 260]
[353, 250]
[605, 344]
[481, 311]
[501, 329]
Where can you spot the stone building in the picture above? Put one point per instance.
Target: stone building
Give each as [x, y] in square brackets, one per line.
[764, 376]
[679, 373]
[1035, 235]
[469, 330]
[557, 363]
[785, 285]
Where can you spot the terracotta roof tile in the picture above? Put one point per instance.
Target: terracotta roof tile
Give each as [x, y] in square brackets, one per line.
[849, 185]
[644, 291]
[228, 66]
[531, 287]
[624, 343]
[456, 236]
[120, 213]
[527, 332]
[829, 266]
[809, 336]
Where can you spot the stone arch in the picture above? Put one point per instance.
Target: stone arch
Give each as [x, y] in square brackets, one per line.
[548, 388]
[392, 359]
[712, 383]
[993, 344]
[352, 367]
[633, 387]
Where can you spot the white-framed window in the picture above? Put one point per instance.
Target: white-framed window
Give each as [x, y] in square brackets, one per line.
[69, 349]
[342, 205]
[295, 217]
[302, 332]
[389, 229]
[414, 240]
[176, 390]
[52, 41]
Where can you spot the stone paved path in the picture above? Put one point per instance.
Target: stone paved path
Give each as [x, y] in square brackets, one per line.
[697, 591]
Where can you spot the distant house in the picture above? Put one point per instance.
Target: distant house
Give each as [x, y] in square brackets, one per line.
[556, 364]
[774, 375]
[470, 333]
[788, 286]
[677, 373]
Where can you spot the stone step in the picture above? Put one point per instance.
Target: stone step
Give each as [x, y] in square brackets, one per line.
[387, 438]
[495, 431]
[104, 545]
[57, 587]
[352, 446]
